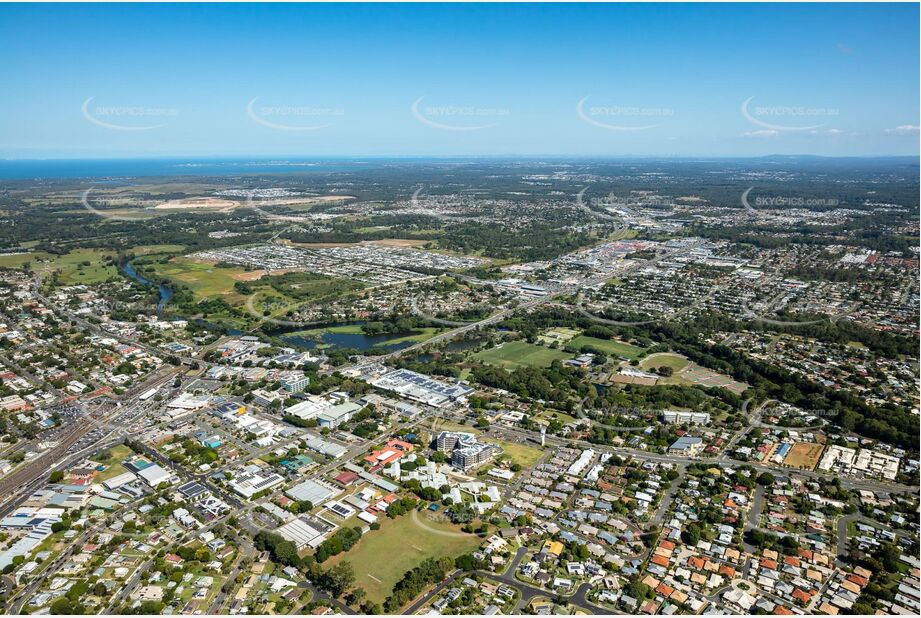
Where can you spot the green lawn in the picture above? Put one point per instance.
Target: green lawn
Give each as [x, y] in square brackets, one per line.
[608, 346]
[86, 266]
[417, 336]
[522, 454]
[152, 249]
[548, 415]
[516, 354]
[343, 329]
[665, 359]
[118, 454]
[446, 425]
[558, 334]
[382, 557]
[204, 280]
[16, 260]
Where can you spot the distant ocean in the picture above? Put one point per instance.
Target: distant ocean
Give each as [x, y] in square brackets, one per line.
[115, 170]
[127, 168]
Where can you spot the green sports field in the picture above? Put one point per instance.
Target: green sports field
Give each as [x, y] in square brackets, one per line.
[665, 359]
[609, 346]
[516, 354]
[382, 556]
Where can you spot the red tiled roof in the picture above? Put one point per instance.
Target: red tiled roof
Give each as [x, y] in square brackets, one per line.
[780, 610]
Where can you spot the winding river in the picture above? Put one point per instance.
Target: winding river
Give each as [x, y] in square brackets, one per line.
[165, 292]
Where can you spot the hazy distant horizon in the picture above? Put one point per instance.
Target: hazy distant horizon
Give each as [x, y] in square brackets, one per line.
[127, 167]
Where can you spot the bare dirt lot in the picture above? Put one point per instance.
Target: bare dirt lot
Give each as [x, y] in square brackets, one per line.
[192, 203]
[803, 456]
[386, 242]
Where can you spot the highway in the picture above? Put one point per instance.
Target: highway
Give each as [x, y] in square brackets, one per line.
[869, 484]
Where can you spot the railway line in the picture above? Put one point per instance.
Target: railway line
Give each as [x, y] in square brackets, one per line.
[14, 484]
[29, 476]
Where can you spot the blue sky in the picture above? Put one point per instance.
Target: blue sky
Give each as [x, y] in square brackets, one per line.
[441, 80]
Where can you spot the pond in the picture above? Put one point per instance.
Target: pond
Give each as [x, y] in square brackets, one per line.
[348, 335]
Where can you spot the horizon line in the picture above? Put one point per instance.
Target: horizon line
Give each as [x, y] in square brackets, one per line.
[456, 156]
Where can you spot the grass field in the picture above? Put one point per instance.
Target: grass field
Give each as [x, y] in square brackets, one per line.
[446, 425]
[609, 346]
[204, 280]
[80, 266]
[417, 336]
[344, 329]
[17, 260]
[548, 415]
[118, 454]
[152, 249]
[260, 290]
[522, 454]
[75, 270]
[382, 556]
[666, 359]
[516, 354]
[558, 334]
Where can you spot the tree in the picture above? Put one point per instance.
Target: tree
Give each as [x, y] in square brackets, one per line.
[56, 477]
[338, 579]
[690, 536]
[281, 550]
[356, 596]
[766, 479]
[638, 590]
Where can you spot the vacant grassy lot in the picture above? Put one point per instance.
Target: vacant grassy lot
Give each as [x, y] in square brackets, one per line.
[608, 346]
[522, 454]
[17, 260]
[342, 329]
[152, 249]
[515, 354]
[204, 280]
[117, 454]
[381, 557]
[304, 286]
[86, 266]
[417, 336]
[79, 266]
